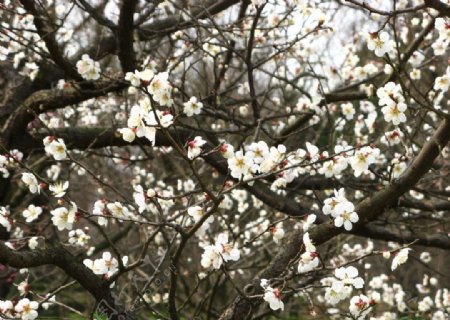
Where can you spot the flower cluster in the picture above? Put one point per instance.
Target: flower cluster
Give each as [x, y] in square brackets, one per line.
[441, 45]
[258, 158]
[78, 238]
[107, 265]
[309, 260]
[338, 164]
[392, 99]
[64, 218]
[363, 158]
[342, 210]
[222, 251]
[345, 279]
[144, 120]
[9, 160]
[88, 68]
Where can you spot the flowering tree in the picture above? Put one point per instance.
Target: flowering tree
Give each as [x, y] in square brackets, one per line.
[224, 159]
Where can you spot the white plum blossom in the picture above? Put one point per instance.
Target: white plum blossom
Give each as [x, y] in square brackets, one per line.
[197, 213]
[363, 158]
[348, 110]
[192, 107]
[309, 221]
[5, 220]
[195, 147]
[392, 138]
[59, 189]
[360, 306]
[277, 233]
[143, 122]
[33, 243]
[394, 113]
[425, 257]
[160, 89]
[380, 43]
[391, 97]
[222, 251]
[107, 265]
[31, 182]
[27, 309]
[309, 246]
[133, 78]
[397, 168]
[349, 276]
[258, 151]
[442, 83]
[88, 68]
[336, 292]
[55, 147]
[227, 150]
[64, 218]
[140, 198]
[400, 258]
[443, 27]
[308, 262]
[240, 164]
[272, 296]
[100, 211]
[31, 213]
[78, 237]
[342, 210]
[118, 210]
[128, 134]
[345, 215]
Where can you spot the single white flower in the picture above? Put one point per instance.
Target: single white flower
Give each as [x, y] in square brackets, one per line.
[195, 147]
[27, 309]
[59, 189]
[272, 296]
[400, 258]
[55, 147]
[31, 213]
[192, 107]
[363, 158]
[345, 215]
[277, 233]
[379, 43]
[33, 243]
[240, 164]
[360, 306]
[31, 182]
[394, 113]
[348, 110]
